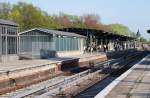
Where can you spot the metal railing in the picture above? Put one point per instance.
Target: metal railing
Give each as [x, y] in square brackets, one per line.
[69, 83]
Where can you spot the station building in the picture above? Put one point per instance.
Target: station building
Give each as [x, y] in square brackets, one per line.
[8, 40]
[45, 43]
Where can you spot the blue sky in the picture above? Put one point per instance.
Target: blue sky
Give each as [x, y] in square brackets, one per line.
[133, 13]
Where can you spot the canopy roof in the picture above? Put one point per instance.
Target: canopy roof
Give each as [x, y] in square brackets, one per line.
[48, 31]
[8, 22]
[98, 33]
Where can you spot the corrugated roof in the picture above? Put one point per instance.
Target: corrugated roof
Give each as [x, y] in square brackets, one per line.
[63, 33]
[8, 22]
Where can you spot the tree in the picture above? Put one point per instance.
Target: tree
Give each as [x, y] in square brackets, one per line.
[91, 21]
[143, 40]
[29, 16]
[120, 29]
[5, 10]
[63, 20]
[76, 21]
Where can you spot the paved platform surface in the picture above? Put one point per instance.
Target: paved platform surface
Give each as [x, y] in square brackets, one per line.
[135, 83]
[21, 64]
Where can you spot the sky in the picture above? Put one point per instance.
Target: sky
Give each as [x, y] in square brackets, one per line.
[132, 13]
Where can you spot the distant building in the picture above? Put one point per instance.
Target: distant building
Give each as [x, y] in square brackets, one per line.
[44, 43]
[8, 40]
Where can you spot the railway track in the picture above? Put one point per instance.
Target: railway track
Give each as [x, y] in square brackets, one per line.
[54, 87]
[95, 89]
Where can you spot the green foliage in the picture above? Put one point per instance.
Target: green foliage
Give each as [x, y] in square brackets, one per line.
[120, 29]
[132, 34]
[143, 40]
[29, 16]
[5, 9]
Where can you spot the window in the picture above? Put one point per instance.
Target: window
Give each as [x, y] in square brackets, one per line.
[67, 43]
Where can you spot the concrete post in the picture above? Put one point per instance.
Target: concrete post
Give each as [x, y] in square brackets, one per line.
[135, 44]
[127, 45]
[130, 42]
[96, 38]
[18, 42]
[6, 41]
[91, 43]
[90, 39]
[104, 42]
[101, 41]
[111, 45]
[54, 42]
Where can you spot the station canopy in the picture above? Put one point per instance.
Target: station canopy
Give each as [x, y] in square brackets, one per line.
[97, 33]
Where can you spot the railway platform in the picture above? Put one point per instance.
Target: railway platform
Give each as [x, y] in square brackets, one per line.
[134, 83]
[23, 64]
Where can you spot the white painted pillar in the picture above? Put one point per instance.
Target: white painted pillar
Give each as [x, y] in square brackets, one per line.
[82, 44]
[53, 45]
[18, 41]
[6, 40]
[124, 45]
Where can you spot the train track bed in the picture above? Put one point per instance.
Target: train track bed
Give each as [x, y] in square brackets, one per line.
[56, 88]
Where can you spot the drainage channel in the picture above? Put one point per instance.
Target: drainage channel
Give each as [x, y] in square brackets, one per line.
[95, 89]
